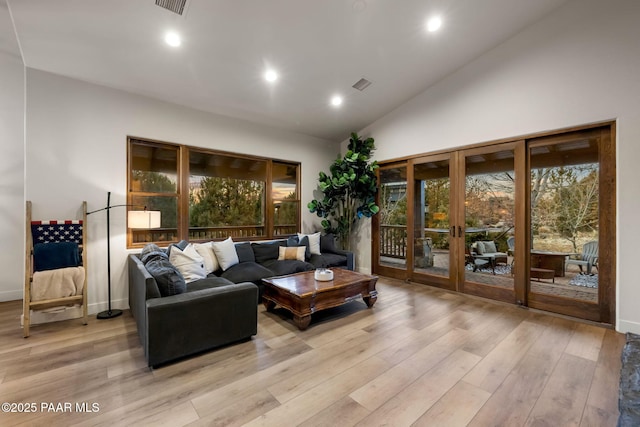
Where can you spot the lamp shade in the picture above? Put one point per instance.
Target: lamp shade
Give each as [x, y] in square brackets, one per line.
[143, 219]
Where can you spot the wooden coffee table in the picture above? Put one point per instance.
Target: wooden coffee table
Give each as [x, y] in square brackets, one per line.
[303, 295]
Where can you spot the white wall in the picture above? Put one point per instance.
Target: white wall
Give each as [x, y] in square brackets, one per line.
[76, 150]
[11, 162]
[579, 65]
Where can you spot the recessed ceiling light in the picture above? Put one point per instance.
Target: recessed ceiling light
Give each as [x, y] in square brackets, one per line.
[172, 39]
[434, 24]
[270, 76]
[336, 100]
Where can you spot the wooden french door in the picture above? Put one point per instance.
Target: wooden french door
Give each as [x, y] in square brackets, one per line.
[491, 188]
[571, 224]
[390, 250]
[433, 216]
[434, 207]
[542, 205]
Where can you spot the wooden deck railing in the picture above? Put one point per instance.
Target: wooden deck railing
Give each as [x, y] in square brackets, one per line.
[393, 238]
[393, 241]
[211, 233]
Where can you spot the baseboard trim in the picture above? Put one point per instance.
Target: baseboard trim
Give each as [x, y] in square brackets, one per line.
[97, 307]
[625, 326]
[11, 295]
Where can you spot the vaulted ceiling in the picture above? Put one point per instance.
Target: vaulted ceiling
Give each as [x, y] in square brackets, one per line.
[318, 49]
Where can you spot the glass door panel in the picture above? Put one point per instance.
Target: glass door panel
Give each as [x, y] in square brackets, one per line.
[432, 220]
[489, 221]
[565, 218]
[392, 230]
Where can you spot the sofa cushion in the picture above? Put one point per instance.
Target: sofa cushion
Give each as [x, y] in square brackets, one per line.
[335, 260]
[479, 246]
[208, 282]
[266, 251]
[245, 253]
[289, 266]
[314, 242]
[328, 243]
[225, 253]
[291, 252]
[246, 272]
[318, 261]
[328, 260]
[188, 262]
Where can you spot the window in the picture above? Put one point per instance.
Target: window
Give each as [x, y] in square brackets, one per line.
[208, 195]
[285, 197]
[226, 196]
[153, 184]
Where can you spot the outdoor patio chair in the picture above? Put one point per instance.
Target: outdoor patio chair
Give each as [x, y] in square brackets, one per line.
[588, 259]
[485, 252]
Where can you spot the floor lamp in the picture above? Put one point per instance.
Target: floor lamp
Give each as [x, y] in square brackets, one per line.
[135, 219]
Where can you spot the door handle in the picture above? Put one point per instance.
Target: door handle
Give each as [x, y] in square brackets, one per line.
[453, 231]
[459, 231]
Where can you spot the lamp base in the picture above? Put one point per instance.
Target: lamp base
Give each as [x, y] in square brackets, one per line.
[109, 314]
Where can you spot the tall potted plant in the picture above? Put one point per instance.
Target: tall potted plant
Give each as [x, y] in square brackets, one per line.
[349, 191]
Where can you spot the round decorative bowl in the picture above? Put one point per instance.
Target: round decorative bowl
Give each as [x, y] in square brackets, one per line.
[323, 274]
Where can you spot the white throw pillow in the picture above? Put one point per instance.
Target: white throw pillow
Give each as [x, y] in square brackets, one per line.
[205, 250]
[291, 252]
[314, 242]
[225, 253]
[188, 263]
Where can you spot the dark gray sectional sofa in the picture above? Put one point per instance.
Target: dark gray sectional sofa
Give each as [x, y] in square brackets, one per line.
[215, 311]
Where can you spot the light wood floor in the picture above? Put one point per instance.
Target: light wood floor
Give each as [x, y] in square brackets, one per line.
[420, 357]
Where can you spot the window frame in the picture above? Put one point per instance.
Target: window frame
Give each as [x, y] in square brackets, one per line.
[131, 194]
[273, 200]
[182, 194]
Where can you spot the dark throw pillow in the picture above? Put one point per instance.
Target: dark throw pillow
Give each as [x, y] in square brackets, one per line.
[328, 243]
[151, 250]
[182, 245]
[245, 253]
[168, 278]
[266, 251]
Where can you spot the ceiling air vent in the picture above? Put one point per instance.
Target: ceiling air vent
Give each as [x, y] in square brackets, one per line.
[362, 84]
[175, 6]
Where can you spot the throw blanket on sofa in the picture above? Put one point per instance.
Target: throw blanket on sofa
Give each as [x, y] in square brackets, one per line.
[63, 282]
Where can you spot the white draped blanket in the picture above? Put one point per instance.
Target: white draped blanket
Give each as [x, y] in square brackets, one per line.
[62, 282]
